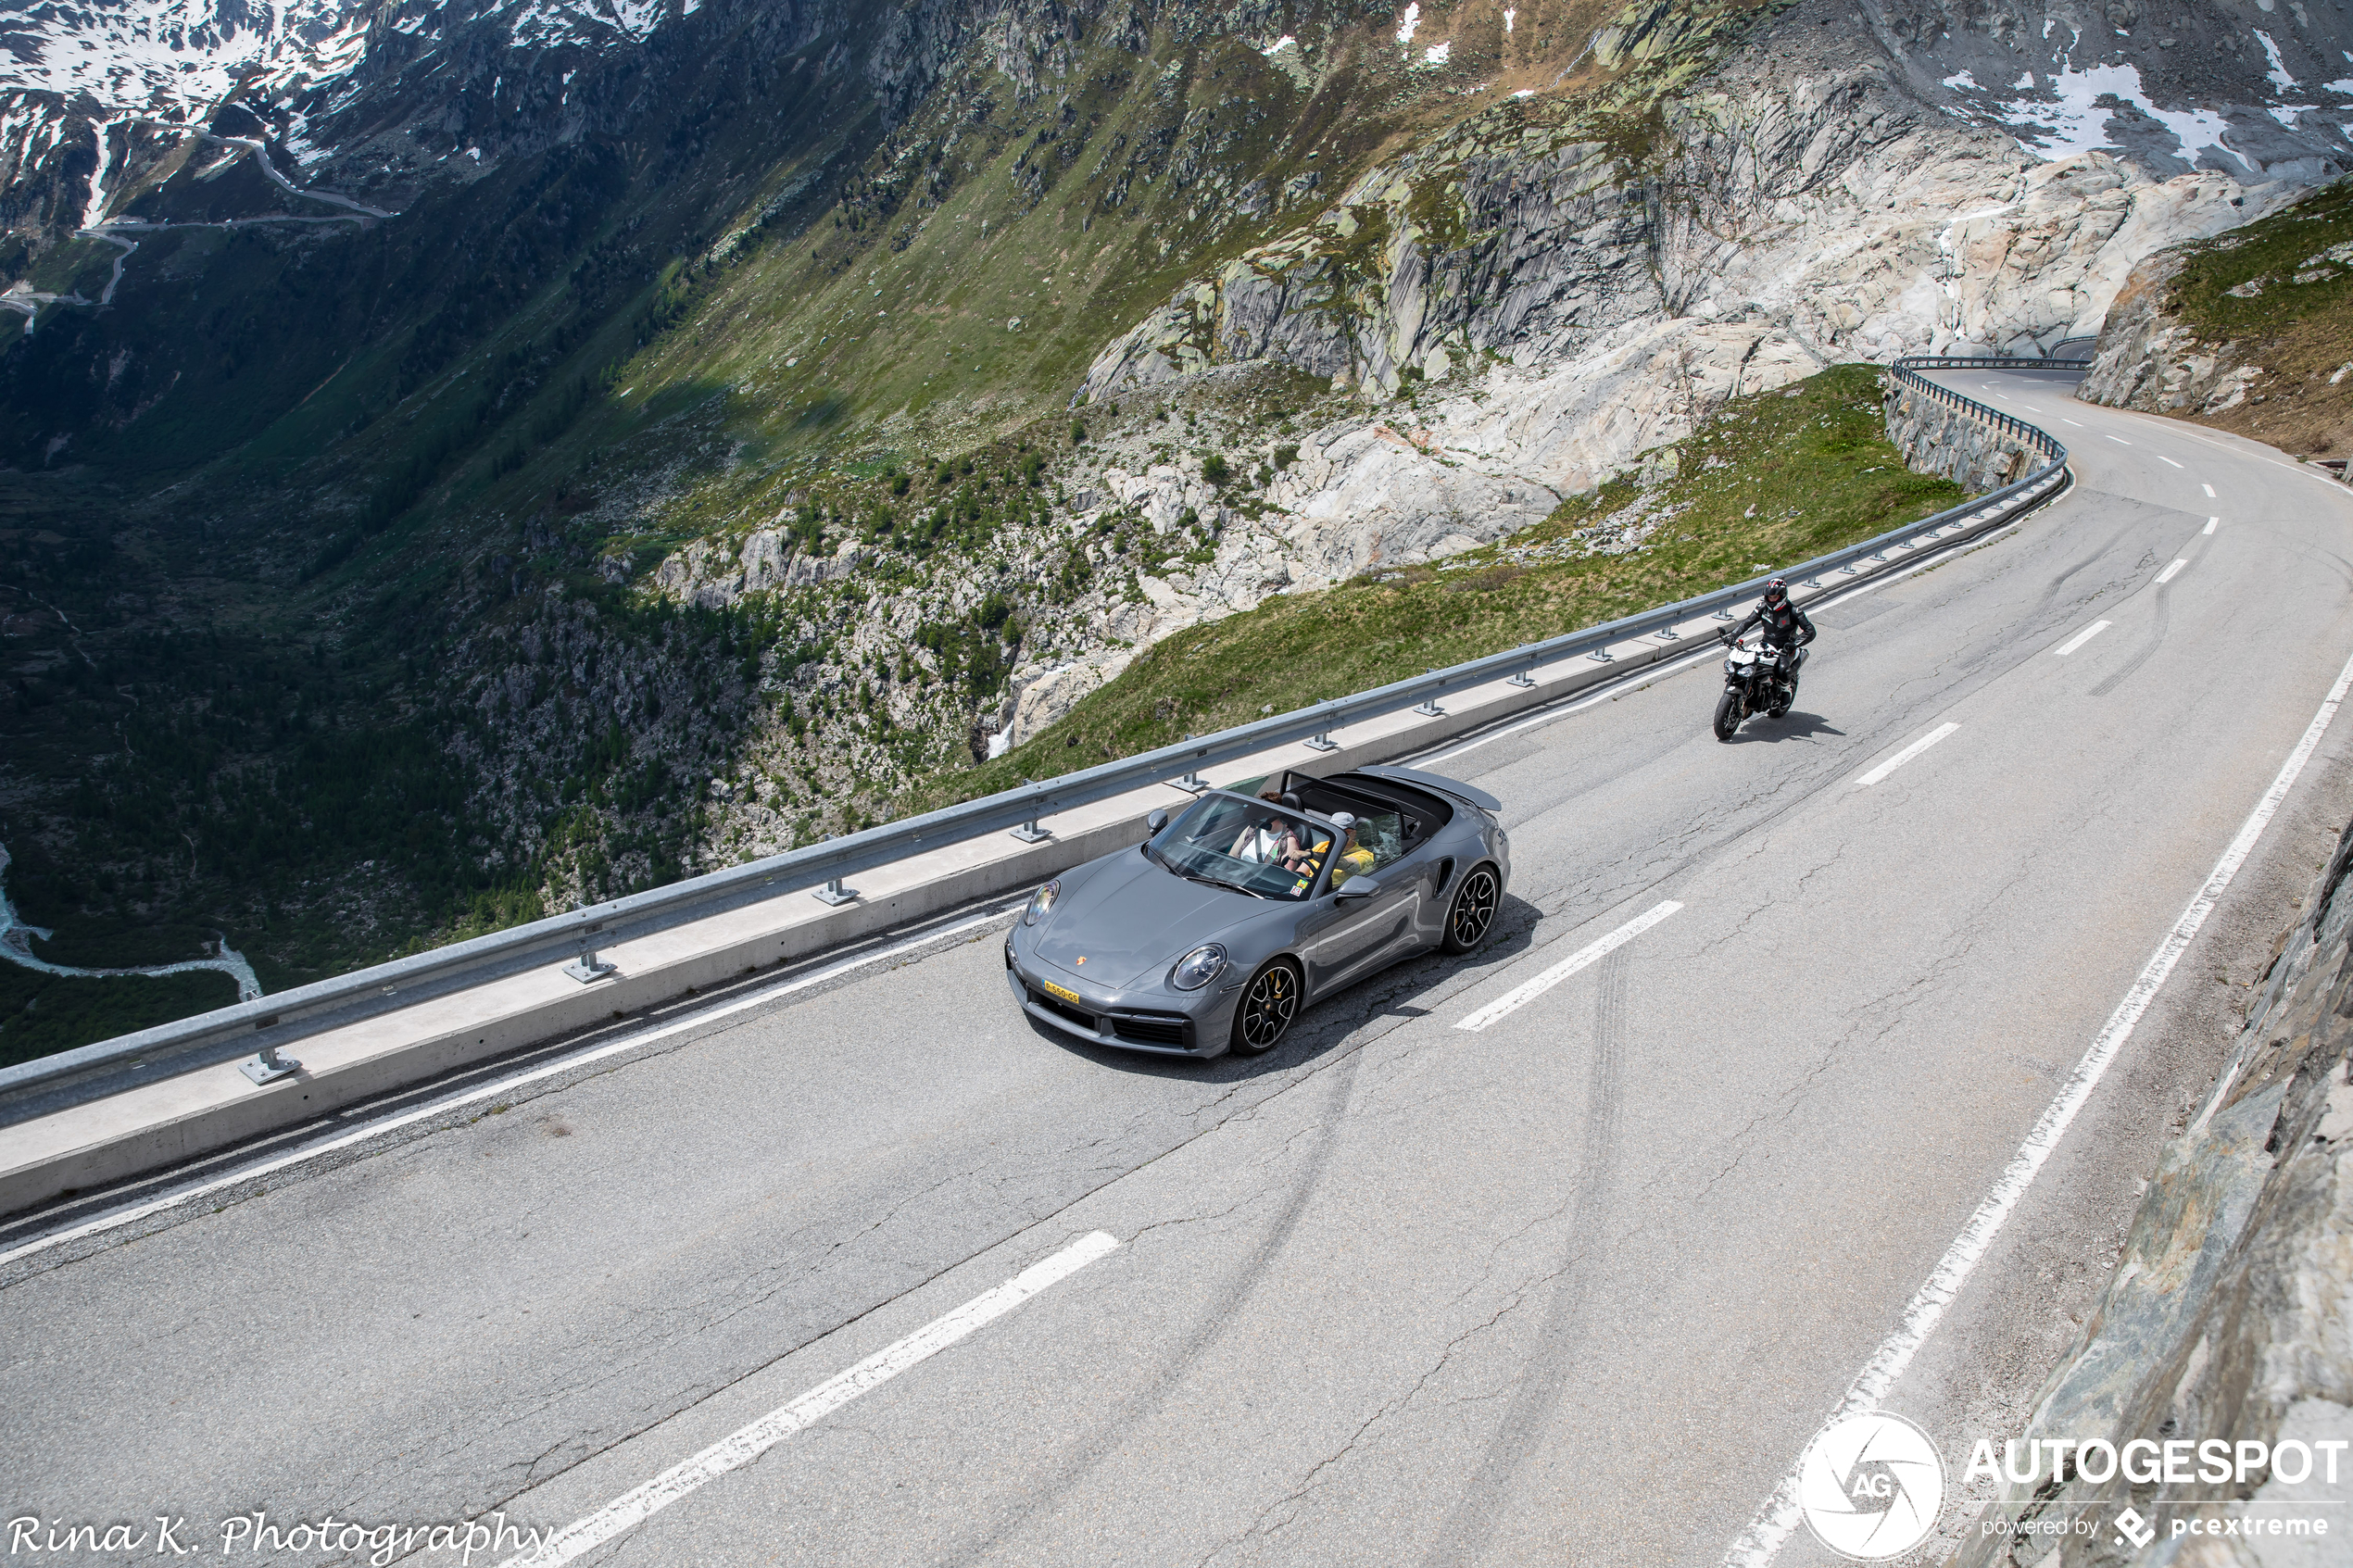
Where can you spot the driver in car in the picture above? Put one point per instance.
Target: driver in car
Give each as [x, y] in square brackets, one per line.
[1354, 859]
[1272, 840]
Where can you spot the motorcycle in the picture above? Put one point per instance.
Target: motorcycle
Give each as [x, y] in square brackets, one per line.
[1762, 679]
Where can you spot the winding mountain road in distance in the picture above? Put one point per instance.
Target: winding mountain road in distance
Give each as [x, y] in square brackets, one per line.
[1578, 1285]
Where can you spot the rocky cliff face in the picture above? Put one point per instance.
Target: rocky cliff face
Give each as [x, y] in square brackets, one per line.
[2249, 331]
[2226, 1317]
[1560, 287]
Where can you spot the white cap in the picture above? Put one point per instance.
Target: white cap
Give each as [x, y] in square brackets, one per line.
[1344, 821]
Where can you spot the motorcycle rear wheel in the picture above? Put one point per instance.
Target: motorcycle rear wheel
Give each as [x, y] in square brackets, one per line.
[1728, 714]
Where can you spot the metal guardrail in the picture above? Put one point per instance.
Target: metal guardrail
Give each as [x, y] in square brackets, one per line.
[271, 1022]
[1906, 373]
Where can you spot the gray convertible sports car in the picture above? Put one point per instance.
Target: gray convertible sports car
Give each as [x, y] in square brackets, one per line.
[1253, 903]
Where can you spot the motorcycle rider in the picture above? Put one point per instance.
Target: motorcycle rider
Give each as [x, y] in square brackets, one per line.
[1786, 629]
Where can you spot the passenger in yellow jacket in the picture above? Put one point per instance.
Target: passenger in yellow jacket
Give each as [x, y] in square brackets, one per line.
[1354, 859]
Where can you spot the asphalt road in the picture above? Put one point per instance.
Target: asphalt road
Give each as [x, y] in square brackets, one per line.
[1578, 1287]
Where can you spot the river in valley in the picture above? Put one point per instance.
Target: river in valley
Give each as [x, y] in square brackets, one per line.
[17, 939]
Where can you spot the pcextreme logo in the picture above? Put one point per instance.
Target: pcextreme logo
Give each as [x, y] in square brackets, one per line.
[1869, 1486]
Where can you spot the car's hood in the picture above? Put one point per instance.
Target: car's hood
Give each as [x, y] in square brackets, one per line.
[1131, 918]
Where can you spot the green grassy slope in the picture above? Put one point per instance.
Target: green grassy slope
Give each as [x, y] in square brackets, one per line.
[1772, 480]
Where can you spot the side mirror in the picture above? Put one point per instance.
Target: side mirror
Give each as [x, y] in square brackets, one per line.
[1357, 887]
[1155, 819]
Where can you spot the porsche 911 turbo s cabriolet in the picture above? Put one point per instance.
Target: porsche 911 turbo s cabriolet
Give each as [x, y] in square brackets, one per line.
[1255, 903]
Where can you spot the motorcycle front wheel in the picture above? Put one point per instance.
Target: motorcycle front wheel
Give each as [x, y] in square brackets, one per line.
[1728, 714]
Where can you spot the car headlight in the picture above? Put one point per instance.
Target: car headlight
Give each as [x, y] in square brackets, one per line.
[1197, 968]
[1042, 901]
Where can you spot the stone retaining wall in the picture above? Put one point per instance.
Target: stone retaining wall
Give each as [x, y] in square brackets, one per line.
[1935, 437]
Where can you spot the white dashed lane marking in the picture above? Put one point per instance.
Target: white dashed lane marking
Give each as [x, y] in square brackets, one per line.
[2163, 458]
[2211, 524]
[1592, 953]
[2118, 439]
[2167, 574]
[1905, 755]
[739, 1449]
[2210, 490]
[2077, 641]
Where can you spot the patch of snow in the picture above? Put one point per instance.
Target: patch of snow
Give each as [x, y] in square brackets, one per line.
[1410, 21]
[2025, 82]
[1437, 52]
[1963, 80]
[2077, 124]
[1276, 47]
[1524, 93]
[1508, 15]
[2344, 86]
[2280, 78]
[95, 207]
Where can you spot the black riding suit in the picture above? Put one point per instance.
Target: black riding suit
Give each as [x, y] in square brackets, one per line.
[1785, 628]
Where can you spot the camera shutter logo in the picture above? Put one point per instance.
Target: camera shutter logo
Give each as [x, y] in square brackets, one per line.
[1870, 1485]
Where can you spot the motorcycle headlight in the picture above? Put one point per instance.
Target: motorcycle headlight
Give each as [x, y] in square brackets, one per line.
[1042, 901]
[1199, 967]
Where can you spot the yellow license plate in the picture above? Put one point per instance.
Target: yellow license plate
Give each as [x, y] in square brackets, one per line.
[1064, 992]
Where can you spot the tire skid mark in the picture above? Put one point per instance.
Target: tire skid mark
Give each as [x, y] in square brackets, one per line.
[2155, 639]
[1105, 1438]
[1544, 1382]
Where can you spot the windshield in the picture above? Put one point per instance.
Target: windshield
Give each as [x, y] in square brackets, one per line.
[1253, 846]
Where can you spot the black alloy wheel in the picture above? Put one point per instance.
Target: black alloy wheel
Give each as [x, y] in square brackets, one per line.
[1269, 1002]
[1728, 714]
[1474, 910]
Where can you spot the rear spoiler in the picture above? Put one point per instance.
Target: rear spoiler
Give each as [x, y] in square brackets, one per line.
[1461, 791]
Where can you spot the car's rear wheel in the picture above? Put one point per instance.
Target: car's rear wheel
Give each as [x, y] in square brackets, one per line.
[1269, 1002]
[1472, 915]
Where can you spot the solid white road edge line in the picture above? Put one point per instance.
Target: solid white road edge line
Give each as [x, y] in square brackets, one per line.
[486, 1091]
[2171, 572]
[739, 1449]
[2320, 475]
[1905, 755]
[2163, 458]
[2211, 524]
[1777, 1520]
[2077, 641]
[1520, 996]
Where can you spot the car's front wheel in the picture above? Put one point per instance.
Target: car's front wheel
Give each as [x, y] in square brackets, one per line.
[1473, 911]
[1269, 1002]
